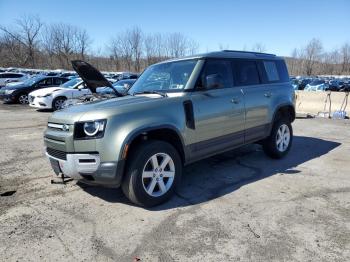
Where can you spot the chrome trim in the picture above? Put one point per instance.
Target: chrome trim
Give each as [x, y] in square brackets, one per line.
[63, 127]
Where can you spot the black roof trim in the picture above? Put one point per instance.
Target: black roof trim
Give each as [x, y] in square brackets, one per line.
[249, 52]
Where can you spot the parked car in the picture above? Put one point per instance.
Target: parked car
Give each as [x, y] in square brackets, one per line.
[316, 85]
[303, 82]
[334, 85]
[19, 93]
[295, 84]
[141, 141]
[10, 77]
[55, 97]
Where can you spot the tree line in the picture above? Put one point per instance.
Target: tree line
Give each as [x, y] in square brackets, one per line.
[31, 43]
[312, 59]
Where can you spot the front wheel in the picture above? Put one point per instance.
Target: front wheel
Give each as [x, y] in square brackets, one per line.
[153, 171]
[58, 103]
[23, 99]
[278, 144]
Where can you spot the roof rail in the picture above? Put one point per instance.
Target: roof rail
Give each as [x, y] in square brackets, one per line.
[249, 52]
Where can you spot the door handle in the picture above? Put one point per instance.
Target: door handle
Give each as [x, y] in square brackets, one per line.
[235, 100]
[268, 94]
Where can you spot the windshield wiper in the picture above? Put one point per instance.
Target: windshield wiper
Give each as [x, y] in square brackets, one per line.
[151, 92]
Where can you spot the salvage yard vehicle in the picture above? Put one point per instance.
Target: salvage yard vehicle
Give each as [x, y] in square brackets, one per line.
[9, 77]
[19, 93]
[55, 97]
[177, 112]
[316, 85]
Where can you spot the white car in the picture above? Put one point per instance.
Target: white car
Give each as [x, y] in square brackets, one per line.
[55, 97]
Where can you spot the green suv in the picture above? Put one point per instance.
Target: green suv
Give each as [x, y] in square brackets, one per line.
[177, 112]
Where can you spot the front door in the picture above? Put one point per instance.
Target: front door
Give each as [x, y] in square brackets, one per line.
[218, 112]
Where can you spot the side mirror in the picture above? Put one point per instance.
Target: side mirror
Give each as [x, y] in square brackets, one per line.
[213, 81]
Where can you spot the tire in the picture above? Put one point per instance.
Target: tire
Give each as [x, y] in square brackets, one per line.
[276, 146]
[147, 185]
[58, 102]
[23, 99]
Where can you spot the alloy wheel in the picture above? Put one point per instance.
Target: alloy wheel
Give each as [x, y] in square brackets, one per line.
[23, 99]
[59, 104]
[283, 138]
[158, 174]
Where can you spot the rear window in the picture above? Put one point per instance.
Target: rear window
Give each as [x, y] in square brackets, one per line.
[271, 71]
[246, 72]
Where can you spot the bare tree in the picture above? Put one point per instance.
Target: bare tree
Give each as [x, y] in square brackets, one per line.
[224, 46]
[176, 45]
[136, 44]
[26, 33]
[82, 42]
[65, 42]
[311, 55]
[345, 57]
[258, 47]
[122, 50]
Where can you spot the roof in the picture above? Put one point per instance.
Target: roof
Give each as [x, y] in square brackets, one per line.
[229, 54]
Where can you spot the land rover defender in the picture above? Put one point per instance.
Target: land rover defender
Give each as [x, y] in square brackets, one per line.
[177, 112]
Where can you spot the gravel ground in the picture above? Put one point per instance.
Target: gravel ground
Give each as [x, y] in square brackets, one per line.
[237, 206]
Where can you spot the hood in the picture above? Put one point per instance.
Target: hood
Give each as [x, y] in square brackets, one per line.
[91, 76]
[14, 83]
[98, 109]
[44, 91]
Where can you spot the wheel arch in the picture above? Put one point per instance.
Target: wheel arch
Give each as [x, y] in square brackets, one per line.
[166, 133]
[284, 110]
[55, 98]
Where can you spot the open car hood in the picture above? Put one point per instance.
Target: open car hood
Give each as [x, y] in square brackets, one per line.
[91, 76]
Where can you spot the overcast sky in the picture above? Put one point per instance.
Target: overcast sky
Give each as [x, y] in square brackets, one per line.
[278, 25]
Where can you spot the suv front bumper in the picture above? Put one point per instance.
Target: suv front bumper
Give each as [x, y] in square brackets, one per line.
[88, 168]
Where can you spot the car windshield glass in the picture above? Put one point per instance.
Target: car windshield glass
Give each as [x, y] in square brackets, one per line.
[317, 82]
[165, 77]
[71, 83]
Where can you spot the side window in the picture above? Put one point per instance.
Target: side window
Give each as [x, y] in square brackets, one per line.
[45, 82]
[282, 71]
[271, 71]
[57, 81]
[219, 71]
[246, 72]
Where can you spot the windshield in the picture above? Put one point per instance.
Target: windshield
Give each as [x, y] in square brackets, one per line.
[317, 82]
[165, 77]
[71, 83]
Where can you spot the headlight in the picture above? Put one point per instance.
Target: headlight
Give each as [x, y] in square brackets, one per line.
[49, 94]
[89, 129]
[9, 92]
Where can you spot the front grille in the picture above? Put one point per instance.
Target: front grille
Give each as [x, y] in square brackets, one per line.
[56, 153]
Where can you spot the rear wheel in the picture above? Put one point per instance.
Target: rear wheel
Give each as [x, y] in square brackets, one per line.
[23, 99]
[153, 172]
[278, 144]
[58, 103]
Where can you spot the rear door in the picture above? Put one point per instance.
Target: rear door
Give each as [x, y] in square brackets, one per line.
[257, 97]
[218, 112]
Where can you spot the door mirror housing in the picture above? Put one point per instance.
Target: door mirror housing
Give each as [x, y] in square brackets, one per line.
[213, 81]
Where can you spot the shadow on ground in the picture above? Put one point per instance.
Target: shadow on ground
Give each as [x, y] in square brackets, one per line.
[222, 174]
